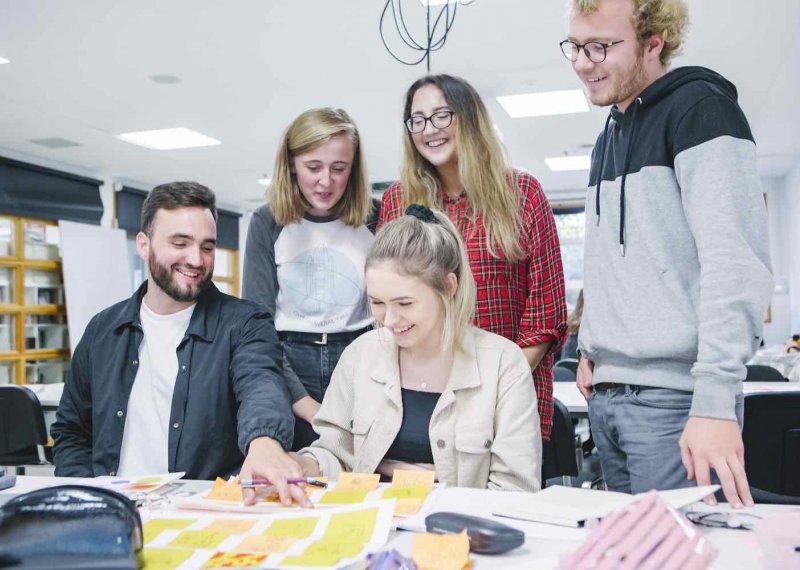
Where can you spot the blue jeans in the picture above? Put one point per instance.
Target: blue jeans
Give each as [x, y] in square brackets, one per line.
[636, 430]
[313, 365]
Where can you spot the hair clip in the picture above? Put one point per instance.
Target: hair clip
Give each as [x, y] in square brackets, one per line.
[422, 213]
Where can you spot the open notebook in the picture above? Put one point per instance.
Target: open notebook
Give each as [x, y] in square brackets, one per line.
[568, 506]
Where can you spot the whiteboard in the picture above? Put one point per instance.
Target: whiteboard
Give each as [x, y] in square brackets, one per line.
[96, 272]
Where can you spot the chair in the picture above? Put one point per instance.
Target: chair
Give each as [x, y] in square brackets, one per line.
[22, 431]
[772, 442]
[559, 457]
[563, 374]
[568, 363]
[761, 373]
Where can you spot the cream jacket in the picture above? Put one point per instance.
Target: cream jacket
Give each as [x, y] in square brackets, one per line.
[484, 430]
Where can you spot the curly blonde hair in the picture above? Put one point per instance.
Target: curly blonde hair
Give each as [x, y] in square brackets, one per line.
[670, 18]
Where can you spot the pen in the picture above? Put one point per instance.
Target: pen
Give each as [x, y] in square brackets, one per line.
[256, 482]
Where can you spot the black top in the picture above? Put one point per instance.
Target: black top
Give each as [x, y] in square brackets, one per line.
[413, 442]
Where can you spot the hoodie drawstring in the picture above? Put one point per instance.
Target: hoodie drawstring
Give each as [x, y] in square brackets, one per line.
[603, 146]
[636, 104]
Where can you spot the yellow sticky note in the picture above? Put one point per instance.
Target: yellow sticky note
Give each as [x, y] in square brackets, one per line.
[357, 482]
[407, 507]
[221, 490]
[198, 539]
[234, 560]
[321, 553]
[355, 527]
[153, 528]
[231, 526]
[165, 558]
[402, 478]
[296, 527]
[441, 551]
[146, 480]
[266, 544]
[343, 497]
[405, 492]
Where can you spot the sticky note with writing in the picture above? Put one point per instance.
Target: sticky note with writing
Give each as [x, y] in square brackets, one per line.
[357, 482]
[441, 551]
[401, 478]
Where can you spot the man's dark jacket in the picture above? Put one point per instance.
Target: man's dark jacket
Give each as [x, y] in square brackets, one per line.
[229, 389]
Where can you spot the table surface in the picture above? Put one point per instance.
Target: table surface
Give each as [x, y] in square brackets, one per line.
[737, 549]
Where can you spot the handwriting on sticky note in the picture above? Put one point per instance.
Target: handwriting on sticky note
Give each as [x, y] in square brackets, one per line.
[355, 527]
[294, 527]
[266, 544]
[231, 526]
[402, 478]
[234, 560]
[343, 497]
[407, 507]
[165, 558]
[153, 528]
[322, 553]
[198, 539]
[441, 551]
[357, 482]
[221, 490]
[405, 492]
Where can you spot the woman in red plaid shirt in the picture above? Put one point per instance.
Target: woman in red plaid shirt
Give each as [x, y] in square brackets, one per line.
[454, 162]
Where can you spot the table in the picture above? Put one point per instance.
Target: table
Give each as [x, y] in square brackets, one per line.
[544, 543]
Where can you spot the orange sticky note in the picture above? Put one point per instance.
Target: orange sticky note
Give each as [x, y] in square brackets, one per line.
[198, 539]
[234, 560]
[295, 527]
[221, 490]
[441, 551]
[153, 528]
[231, 526]
[343, 497]
[402, 478]
[407, 507]
[357, 482]
[265, 544]
[165, 558]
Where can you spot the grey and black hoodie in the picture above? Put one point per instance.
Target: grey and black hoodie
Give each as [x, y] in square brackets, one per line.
[677, 272]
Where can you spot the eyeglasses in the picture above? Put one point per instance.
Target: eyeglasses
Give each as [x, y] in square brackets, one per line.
[733, 521]
[595, 51]
[440, 120]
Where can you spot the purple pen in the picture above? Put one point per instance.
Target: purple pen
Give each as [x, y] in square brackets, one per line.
[258, 482]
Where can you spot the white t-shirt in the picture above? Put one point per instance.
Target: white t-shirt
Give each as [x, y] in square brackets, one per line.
[145, 438]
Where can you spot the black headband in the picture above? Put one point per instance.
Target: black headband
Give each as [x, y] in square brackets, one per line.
[422, 213]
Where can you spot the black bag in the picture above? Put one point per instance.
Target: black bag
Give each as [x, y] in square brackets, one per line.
[70, 526]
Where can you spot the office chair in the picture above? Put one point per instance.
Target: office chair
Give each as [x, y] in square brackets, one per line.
[761, 373]
[568, 363]
[559, 455]
[563, 374]
[772, 442]
[23, 435]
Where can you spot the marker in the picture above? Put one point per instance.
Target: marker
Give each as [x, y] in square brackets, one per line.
[256, 482]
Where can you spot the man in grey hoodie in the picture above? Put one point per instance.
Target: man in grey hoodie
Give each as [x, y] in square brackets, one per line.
[677, 272]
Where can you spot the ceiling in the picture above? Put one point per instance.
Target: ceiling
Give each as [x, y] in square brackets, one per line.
[81, 71]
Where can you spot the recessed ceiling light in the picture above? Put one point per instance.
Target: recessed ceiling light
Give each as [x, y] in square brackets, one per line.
[4, 60]
[563, 163]
[264, 181]
[169, 139]
[544, 103]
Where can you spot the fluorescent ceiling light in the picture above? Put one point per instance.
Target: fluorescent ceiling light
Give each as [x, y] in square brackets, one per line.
[265, 181]
[563, 163]
[3, 60]
[544, 103]
[169, 139]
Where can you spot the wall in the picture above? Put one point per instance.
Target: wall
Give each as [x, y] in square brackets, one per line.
[780, 327]
[791, 218]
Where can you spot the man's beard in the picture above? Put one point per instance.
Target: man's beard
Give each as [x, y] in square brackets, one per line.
[630, 85]
[163, 277]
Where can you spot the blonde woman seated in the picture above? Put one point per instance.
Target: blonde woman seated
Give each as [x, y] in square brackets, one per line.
[428, 390]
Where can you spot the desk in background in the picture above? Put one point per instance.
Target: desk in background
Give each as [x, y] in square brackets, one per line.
[787, 364]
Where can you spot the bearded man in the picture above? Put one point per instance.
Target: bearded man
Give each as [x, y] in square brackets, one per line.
[179, 377]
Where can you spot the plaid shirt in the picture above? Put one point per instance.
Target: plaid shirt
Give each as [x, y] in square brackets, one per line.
[521, 301]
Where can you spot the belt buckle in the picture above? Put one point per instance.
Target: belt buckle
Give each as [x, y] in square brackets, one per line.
[323, 340]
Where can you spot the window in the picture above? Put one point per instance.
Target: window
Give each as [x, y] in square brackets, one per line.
[570, 221]
[226, 271]
[34, 339]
